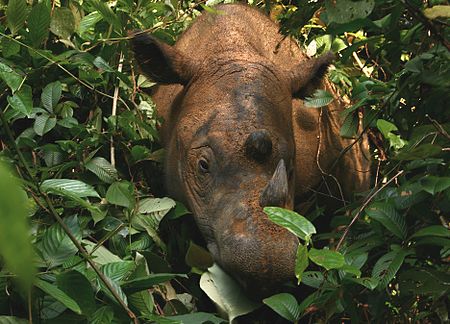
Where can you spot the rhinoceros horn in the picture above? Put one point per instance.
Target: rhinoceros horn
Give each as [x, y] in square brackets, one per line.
[276, 193]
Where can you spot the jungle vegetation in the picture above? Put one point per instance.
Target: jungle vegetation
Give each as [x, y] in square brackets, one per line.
[86, 233]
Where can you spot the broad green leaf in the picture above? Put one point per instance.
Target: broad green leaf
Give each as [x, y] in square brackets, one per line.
[12, 320]
[100, 63]
[11, 77]
[226, 293]
[285, 305]
[88, 22]
[56, 244]
[63, 22]
[424, 281]
[301, 262]
[9, 48]
[58, 294]
[344, 11]
[51, 95]
[148, 281]
[16, 14]
[198, 257]
[387, 215]
[22, 100]
[386, 128]
[437, 11]
[434, 230]
[157, 207]
[63, 187]
[327, 258]
[44, 123]
[103, 315]
[118, 271]
[107, 13]
[292, 221]
[387, 266]
[197, 318]
[418, 153]
[370, 283]
[77, 287]
[433, 184]
[313, 279]
[39, 23]
[15, 245]
[319, 99]
[116, 287]
[121, 193]
[104, 170]
[350, 125]
[101, 254]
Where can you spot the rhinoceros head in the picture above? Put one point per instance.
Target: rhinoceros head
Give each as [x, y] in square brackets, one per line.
[230, 151]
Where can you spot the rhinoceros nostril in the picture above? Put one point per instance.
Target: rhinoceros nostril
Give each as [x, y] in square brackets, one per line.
[258, 145]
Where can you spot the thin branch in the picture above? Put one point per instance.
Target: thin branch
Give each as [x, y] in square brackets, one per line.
[114, 111]
[368, 200]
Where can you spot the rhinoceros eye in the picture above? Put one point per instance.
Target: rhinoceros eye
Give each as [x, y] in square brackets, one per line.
[203, 166]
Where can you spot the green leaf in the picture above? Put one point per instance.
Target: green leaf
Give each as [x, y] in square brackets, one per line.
[434, 230]
[22, 100]
[157, 207]
[15, 244]
[292, 221]
[420, 152]
[51, 95]
[327, 258]
[118, 271]
[350, 125]
[13, 320]
[121, 193]
[56, 244]
[285, 305]
[301, 262]
[370, 283]
[44, 123]
[63, 22]
[387, 266]
[88, 22]
[104, 170]
[107, 13]
[386, 128]
[198, 257]
[313, 279]
[9, 48]
[197, 318]
[148, 281]
[59, 295]
[11, 77]
[78, 287]
[116, 287]
[387, 215]
[102, 64]
[39, 23]
[101, 254]
[226, 293]
[103, 315]
[16, 14]
[67, 187]
[437, 11]
[344, 11]
[320, 98]
[433, 184]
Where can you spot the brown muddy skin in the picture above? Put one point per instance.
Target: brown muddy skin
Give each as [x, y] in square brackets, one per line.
[237, 139]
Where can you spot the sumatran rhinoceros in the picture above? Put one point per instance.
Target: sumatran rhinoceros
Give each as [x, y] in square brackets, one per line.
[238, 137]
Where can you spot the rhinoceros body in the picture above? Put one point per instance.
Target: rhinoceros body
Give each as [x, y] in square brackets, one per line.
[237, 137]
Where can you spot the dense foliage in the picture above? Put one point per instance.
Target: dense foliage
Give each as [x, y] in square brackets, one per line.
[83, 238]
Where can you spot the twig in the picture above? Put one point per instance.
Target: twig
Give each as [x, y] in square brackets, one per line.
[114, 110]
[66, 229]
[360, 64]
[30, 313]
[368, 200]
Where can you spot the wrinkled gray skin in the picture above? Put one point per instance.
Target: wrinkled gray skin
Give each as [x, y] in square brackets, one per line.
[237, 139]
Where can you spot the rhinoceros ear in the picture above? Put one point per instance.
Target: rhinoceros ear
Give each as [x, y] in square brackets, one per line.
[161, 62]
[306, 76]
